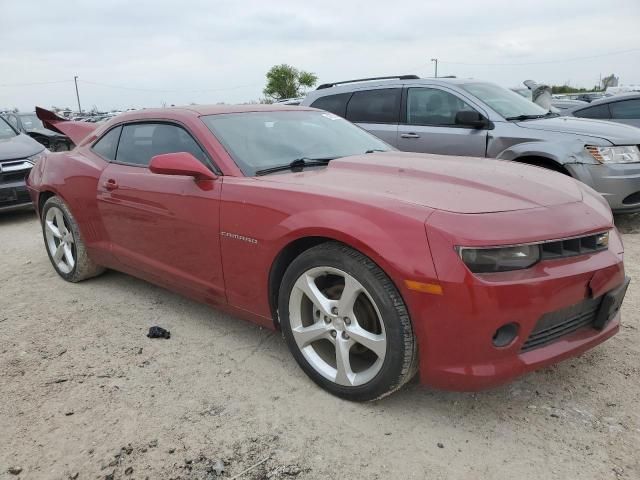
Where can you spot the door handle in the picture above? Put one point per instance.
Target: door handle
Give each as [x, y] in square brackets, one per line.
[110, 184]
[410, 135]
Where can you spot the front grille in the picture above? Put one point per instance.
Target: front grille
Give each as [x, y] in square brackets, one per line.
[551, 326]
[14, 171]
[10, 177]
[571, 247]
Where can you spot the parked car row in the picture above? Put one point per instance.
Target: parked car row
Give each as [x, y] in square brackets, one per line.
[472, 118]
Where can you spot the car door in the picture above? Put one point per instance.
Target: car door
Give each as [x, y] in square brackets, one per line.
[428, 124]
[626, 111]
[377, 111]
[163, 226]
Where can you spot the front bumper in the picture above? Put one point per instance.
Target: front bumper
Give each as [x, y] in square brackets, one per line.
[455, 330]
[14, 195]
[619, 183]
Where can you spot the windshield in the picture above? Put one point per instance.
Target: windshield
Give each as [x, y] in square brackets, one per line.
[505, 102]
[6, 131]
[29, 122]
[261, 140]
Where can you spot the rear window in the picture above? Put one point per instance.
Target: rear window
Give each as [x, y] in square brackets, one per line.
[597, 111]
[333, 103]
[375, 106]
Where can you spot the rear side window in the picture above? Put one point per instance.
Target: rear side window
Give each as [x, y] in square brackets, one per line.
[141, 141]
[333, 103]
[625, 109]
[431, 106]
[597, 111]
[106, 147]
[375, 106]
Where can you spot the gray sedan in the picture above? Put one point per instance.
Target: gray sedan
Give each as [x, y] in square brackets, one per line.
[472, 118]
[619, 108]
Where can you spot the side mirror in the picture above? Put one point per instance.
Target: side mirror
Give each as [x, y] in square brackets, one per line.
[180, 163]
[468, 118]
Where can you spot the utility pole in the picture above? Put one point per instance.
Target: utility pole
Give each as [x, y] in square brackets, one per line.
[435, 60]
[75, 79]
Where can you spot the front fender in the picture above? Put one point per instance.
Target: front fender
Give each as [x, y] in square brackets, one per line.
[562, 153]
[258, 224]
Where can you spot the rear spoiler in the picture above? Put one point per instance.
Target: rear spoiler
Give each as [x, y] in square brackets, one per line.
[76, 131]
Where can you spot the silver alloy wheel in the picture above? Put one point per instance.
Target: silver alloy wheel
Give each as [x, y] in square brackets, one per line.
[329, 307]
[60, 240]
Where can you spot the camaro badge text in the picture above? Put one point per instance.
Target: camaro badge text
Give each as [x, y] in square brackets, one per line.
[239, 237]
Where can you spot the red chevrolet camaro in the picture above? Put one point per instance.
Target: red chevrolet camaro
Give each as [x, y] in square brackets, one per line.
[375, 264]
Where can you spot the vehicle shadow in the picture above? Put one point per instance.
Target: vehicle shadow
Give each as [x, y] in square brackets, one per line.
[552, 386]
[17, 217]
[628, 223]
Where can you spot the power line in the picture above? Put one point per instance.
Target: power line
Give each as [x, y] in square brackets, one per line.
[122, 87]
[33, 84]
[548, 62]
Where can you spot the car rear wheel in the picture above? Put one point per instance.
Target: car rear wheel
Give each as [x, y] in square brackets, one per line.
[346, 324]
[64, 243]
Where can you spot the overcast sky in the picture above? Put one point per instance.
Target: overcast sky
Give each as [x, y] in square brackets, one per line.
[145, 52]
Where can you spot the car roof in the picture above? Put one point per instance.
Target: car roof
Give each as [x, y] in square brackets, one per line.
[353, 85]
[200, 110]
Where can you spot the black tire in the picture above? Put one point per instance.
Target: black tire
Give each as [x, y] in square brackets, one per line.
[400, 361]
[84, 267]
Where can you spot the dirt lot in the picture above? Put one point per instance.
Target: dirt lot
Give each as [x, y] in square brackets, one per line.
[84, 394]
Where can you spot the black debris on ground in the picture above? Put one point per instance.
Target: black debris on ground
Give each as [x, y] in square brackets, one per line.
[158, 332]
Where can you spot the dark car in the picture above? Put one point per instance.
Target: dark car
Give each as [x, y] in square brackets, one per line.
[619, 108]
[30, 124]
[18, 154]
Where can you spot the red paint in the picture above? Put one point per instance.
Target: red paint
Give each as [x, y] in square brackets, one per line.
[405, 211]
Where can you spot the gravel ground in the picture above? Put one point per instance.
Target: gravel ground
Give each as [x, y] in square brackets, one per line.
[84, 394]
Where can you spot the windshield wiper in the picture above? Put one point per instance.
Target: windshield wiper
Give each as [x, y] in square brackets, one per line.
[533, 117]
[525, 117]
[374, 150]
[296, 166]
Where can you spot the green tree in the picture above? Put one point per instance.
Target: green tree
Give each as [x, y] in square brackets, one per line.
[285, 81]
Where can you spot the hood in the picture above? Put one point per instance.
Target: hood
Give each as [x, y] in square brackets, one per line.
[20, 146]
[455, 184]
[76, 131]
[615, 133]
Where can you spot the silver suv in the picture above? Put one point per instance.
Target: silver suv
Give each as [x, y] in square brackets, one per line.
[472, 118]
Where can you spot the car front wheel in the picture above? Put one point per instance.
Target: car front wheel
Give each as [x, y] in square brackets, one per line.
[346, 324]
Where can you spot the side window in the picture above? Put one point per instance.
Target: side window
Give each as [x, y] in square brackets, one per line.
[625, 109]
[333, 103]
[107, 145]
[375, 106]
[597, 111]
[431, 106]
[141, 141]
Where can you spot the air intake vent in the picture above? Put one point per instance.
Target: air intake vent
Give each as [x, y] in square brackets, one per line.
[571, 247]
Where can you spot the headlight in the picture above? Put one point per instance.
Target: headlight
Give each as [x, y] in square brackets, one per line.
[499, 259]
[628, 154]
[35, 158]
